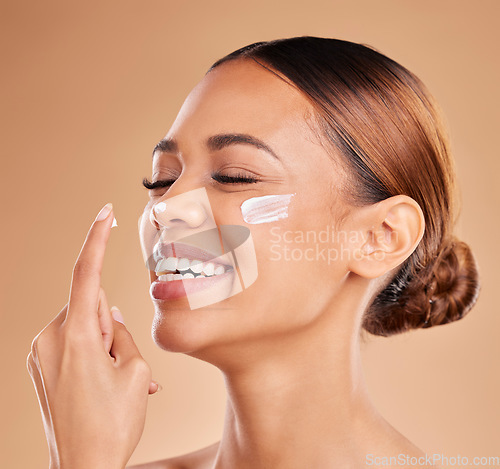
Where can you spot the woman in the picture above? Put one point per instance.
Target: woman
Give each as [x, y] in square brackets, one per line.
[304, 193]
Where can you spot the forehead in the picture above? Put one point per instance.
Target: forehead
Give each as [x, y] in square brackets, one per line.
[241, 95]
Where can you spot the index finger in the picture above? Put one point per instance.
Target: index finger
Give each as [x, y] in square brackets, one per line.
[86, 278]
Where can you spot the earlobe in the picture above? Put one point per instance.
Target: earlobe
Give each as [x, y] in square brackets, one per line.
[392, 229]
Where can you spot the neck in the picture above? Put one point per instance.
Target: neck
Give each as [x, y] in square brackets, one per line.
[300, 400]
[305, 401]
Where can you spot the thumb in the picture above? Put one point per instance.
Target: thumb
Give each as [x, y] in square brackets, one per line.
[123, 347]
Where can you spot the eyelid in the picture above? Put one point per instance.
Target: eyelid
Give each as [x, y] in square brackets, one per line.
[218, 176]
[157, 184]
[238, 178]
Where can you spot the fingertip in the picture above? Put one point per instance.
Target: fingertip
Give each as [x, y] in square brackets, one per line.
[105, 211]
[116, 314]
[154, 387]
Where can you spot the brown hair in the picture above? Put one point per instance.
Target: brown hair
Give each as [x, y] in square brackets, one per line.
[387, 128]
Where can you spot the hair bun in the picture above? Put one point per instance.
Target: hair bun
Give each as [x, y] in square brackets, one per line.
[454, 285]
[443, 291]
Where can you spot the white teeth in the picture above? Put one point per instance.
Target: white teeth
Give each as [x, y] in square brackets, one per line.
[196, 266]
[169, 277]
[208, 269]
[183, 264]
[162, 266]
[219, 270]
[171, 263]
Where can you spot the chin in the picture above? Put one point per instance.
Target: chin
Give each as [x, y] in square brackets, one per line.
[214, 333]
[178, 328]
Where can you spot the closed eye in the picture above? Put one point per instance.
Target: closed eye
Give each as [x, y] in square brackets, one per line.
[218, 177]
[239, 178]
[156, 184]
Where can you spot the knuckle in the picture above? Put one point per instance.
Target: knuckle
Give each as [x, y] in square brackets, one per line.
[35, 345]
[141, 367]
[29, 363]
[39, 347]
[43, 338]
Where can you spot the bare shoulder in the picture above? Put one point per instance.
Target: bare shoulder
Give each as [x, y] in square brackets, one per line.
[199, 459]
[413, 456]
[394, 450]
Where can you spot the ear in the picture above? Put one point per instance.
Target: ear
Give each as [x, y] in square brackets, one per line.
[390, 232]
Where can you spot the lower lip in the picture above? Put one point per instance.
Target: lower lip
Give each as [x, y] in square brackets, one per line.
[174, 289]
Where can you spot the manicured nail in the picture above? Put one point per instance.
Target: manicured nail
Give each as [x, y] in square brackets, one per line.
[105, 211]
[114, 222]
[117, 315]
[160, 387]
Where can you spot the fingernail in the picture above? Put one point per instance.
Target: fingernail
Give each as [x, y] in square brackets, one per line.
[104, 212]
[160, 387]
[117, 315]
[114, 222]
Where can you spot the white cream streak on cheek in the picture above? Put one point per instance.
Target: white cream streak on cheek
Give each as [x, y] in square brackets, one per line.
[266, 209]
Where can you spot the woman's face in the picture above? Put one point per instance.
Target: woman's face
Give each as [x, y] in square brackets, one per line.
[297, 259]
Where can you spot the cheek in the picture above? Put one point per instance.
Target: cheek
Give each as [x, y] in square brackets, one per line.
[302, 251]
[296, 247]
[295, 283]
[266, 209]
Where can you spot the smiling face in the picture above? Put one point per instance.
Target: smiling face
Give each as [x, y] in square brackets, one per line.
[244, 133]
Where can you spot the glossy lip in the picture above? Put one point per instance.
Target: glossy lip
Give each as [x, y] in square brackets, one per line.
[174, 289]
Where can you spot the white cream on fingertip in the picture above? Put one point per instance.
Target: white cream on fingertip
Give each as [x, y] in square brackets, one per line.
[114, 222]
[266, 209]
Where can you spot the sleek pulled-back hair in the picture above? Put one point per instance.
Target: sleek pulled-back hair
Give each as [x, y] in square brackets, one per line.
[386, 127]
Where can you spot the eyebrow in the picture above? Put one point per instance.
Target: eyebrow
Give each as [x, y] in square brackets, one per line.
[218, 142]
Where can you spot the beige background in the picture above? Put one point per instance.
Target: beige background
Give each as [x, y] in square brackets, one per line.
[89, 88]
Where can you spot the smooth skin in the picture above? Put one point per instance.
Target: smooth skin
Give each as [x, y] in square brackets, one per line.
[288, 346]
[92, 383]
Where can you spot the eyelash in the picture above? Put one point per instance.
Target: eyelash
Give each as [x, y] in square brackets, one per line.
[221, 178]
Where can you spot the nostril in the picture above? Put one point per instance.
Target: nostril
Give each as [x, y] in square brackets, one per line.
[178, 211]
[152, 219]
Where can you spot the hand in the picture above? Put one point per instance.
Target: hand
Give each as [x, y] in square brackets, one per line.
[92, 383]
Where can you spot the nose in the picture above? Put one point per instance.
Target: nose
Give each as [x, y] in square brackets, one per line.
[180, 211]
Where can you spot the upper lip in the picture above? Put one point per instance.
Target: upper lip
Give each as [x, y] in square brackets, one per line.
[186, 250]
